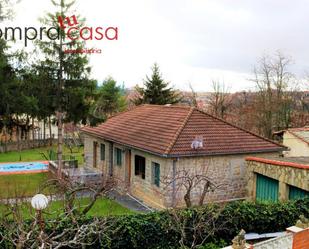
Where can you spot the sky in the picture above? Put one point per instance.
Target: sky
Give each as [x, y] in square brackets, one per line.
[193, 41]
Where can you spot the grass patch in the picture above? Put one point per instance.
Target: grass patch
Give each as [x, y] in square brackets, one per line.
[102, 207]
[22, 185]
[36, 154]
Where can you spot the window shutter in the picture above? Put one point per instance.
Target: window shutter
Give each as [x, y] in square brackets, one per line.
[118, 156]
[156, 174]
[102, 152]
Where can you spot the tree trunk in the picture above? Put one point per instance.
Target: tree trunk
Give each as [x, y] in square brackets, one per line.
[187, 198]
[60, 107]
[44, 131]
[33, 136]
[27, 135]
[50, 132]
[5, 137]
[60, 142]
[205, 190]
[18, 138]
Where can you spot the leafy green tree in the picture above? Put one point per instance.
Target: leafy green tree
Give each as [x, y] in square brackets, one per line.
[110, 99]
[156, 90]
[9, 94]
[16, 99]
[38, 86]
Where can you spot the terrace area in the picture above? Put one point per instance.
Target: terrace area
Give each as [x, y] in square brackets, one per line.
[78, 175]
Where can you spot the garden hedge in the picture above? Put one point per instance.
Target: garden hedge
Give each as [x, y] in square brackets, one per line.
[156, 230]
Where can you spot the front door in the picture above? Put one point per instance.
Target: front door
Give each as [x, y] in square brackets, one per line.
[95, 145]
[128, 167]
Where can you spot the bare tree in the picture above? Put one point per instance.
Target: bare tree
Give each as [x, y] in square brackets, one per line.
[196, 228]
[219, 100]
[192, 185]
[193, 97]
[273, 104]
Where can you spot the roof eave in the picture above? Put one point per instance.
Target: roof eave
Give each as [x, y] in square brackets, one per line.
[187, 154]
[225, 153]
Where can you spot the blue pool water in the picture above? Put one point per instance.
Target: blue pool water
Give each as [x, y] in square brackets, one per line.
[22, 166]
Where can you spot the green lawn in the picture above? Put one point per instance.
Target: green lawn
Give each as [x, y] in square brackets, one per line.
[102, 207]
[26, 185]
[36, 154]
[22, 185]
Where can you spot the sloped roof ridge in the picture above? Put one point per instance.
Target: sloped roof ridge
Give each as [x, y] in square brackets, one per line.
[237, 127]
[150, 105]
[181, 127]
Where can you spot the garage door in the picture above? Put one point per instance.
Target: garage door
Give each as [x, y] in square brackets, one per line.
[266, 188]
[297, 193]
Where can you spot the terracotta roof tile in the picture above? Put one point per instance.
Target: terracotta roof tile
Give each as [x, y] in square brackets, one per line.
[170, 130]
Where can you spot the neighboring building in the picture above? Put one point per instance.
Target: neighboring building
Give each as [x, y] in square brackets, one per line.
[293, 238]
[42, 127]
[297, 140]
[277, 178]
[27, 130]
[142, 146]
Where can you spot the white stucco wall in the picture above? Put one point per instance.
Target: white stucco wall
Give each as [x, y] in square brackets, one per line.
[297, 146]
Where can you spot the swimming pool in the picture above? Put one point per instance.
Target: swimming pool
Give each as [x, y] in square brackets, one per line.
[23, 167]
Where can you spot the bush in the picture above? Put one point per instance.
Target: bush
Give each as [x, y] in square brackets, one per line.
[260, 217]
[157, 230]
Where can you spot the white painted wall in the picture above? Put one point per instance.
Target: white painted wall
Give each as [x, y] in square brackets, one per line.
[297, 147]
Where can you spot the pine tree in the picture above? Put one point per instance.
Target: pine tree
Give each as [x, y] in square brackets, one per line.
[156, 90]
[110, 99]
[68, 72]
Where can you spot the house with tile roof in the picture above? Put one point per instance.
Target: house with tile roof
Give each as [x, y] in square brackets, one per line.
[297, 140]
[142, 146]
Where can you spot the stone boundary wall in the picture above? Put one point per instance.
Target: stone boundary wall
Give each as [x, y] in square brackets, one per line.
[24, 145]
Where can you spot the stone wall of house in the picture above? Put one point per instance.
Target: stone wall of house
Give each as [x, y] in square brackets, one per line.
[227, 172]
[104, 165]
[145, 189]
[297, 146]
[285, 174]
[88, 150]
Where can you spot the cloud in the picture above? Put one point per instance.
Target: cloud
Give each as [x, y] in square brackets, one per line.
[192, 40]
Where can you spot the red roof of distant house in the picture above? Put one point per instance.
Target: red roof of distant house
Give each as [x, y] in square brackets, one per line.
[170, 130]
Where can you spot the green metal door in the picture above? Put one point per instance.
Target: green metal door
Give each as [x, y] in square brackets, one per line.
[266, 188]
[297, 193]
